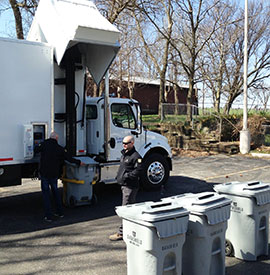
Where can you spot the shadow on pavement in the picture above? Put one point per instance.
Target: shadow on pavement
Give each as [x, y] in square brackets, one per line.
[23, 212]
[239, 267]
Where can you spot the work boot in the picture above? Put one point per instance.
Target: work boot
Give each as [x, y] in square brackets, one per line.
[116, 237]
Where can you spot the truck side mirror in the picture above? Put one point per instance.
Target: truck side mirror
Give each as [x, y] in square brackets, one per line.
[135, 133]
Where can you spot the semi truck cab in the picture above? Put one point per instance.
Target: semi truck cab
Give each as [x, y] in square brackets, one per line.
[125, 119]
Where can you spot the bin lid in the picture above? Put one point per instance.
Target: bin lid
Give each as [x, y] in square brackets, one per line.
[210, 204]
[152, 211]
[253, 189]
[86, 160]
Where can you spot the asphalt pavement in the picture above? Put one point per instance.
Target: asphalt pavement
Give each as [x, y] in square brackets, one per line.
[79, 244]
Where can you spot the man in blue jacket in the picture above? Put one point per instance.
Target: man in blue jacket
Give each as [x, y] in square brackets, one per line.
[52, 157]
[128, 177]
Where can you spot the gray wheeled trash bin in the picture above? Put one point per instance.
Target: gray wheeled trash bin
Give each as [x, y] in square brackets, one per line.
[78, 189]
[204, 248]
[154, 233]
[248, 227]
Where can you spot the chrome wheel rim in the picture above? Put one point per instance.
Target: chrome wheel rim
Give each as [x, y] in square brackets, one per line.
[155, 172]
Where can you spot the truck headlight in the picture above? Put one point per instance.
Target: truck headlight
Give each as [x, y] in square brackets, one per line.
[1, 171]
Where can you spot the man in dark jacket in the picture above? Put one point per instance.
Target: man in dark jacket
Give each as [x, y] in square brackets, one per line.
[128, 177]
[52, 157]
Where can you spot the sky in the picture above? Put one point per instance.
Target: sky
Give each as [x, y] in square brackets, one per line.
[7, 25]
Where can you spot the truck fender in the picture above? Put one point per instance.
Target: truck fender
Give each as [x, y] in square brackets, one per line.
[154, 145]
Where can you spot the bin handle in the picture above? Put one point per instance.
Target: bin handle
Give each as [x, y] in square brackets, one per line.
[253, 183]
[262, 228]
[161, 205]
[206, 196]
[207, 199]
[161, 211]
[262, 187]
[169, 268]
[215, 252]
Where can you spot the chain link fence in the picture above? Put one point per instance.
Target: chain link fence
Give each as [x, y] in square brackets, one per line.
[172, 112]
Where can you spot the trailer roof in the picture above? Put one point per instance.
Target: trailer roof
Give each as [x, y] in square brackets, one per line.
[65, 23]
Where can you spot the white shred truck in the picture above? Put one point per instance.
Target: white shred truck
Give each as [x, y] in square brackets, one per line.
[42, 89]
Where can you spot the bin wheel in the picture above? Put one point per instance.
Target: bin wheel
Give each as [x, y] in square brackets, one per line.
[94, 199]
[228, 248]
[72, 201]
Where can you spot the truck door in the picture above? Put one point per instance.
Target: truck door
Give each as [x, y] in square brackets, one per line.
[123, 123]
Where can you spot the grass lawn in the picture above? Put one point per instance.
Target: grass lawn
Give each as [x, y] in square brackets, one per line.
[169, 118]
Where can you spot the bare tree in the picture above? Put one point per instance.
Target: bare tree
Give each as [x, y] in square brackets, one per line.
[216, 52]
[23, 11]
[112, 9]
[188, 38]
[128, 63]
[258, 53]
[156, 47]
[261, 94]
[194, 32]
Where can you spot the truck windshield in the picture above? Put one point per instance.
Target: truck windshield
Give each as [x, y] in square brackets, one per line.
[122, 116]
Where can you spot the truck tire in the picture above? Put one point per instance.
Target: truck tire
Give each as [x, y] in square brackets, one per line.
[229, 251]
[155, 172]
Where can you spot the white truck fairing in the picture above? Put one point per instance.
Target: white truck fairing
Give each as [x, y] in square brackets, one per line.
[65, 23]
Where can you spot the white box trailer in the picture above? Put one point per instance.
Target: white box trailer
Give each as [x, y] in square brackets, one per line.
[42, 84]
[26, 102]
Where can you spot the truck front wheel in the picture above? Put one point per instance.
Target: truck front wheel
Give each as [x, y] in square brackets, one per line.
[155, 172]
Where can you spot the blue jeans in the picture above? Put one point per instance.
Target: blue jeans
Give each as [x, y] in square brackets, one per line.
[46, 185]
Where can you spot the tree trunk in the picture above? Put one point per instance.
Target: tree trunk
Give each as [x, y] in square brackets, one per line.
[176, 100]
[190, 98]
[119, 91]
[228, 104]
[227, 107]
[175, 89]
[18, 18]
[131, 89]
[95, 90]
[233, 95]
[101, 87]
[161, 99]
[217, 102]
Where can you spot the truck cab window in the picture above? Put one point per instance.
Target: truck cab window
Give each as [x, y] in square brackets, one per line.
[122, 116]
[91, 112]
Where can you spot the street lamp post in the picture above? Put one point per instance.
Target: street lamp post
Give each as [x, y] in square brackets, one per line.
[245, 134]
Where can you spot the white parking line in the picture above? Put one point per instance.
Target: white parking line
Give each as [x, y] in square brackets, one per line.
[235, 173]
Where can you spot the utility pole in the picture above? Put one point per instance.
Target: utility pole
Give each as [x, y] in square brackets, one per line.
[245, 134]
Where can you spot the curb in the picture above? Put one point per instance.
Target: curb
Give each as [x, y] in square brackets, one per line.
[260, 155]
